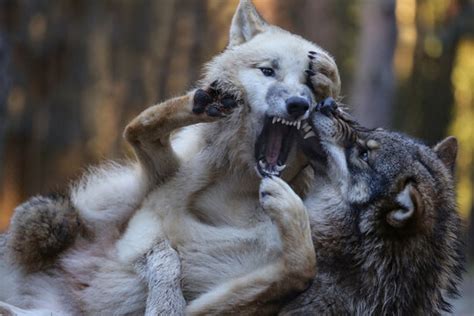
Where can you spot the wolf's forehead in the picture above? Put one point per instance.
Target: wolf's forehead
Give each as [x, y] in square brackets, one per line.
[285, 46]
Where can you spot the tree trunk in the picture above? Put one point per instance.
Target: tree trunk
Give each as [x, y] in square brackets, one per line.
[373, 88]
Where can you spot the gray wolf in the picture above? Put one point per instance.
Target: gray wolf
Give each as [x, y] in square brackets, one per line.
[383, 218]
[192, 198]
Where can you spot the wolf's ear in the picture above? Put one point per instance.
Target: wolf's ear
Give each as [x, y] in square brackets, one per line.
[246, 23]
[447, 150]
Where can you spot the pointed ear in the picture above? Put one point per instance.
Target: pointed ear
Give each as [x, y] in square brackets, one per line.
[447, 150]
[246, 23]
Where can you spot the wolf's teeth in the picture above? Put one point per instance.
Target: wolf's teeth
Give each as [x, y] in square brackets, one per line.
[305, 124]
[307, 128]
[280, 168]
[298, 125]
[274, 120]
[310, 134]
[279, 119]
[262, 164]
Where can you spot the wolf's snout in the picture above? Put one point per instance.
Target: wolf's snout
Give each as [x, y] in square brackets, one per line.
[297, 106]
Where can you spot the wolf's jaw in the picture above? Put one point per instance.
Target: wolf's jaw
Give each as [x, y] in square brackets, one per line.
[283, 121]
[274, 143]
[265, 169]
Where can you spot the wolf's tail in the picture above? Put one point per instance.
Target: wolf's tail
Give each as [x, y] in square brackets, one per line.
[41, 228]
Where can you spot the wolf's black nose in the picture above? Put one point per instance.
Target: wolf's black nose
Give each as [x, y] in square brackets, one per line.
[297, 106]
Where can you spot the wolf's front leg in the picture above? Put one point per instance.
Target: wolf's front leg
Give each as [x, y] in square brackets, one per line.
[288, 212]
[149, 133]
[263, 291]
[160, 268]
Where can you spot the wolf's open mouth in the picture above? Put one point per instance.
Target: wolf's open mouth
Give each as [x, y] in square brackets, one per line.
[274, 144]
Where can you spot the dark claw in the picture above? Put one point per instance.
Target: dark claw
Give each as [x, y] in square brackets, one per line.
[311, 57]
[213, 91]
[213, 110]
[313, 52]
[309, 72]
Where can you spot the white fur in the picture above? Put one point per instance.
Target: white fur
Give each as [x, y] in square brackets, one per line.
[108, 195]
[208, 209]
[188, 141]
[142, 232]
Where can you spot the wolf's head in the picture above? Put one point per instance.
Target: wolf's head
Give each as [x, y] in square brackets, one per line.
[384, 215]
[278, 76]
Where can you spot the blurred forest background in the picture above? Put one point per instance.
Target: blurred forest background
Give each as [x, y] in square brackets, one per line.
[72, 73]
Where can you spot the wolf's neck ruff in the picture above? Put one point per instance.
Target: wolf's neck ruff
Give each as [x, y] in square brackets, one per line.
[386, 230]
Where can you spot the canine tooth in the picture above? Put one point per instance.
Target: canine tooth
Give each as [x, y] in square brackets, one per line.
[274, 120]
[310, 134]
[305, 123]
[279, 119]
[262, 164]
[298, 125]
[280, 168]
[307, 128]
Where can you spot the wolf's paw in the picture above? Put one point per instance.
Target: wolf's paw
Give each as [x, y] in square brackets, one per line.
[213, 102]
[322, 75]
[41, 228]
[327, 106]
[280, 201]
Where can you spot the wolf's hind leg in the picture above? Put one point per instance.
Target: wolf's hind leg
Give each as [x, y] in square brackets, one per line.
[41, 228]
[149, 133]
[160, 268]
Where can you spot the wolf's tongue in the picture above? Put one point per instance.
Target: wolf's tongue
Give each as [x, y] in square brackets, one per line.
[274, 145]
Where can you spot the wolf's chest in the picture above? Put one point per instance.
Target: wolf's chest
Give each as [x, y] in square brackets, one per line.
[216, 255]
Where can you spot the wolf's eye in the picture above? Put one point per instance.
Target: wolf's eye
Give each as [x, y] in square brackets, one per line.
[364, 155]
[268, 72]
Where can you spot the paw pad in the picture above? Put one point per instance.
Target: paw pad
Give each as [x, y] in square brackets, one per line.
[213, 102]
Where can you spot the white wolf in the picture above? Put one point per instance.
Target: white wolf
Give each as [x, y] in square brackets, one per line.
[240, 252]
